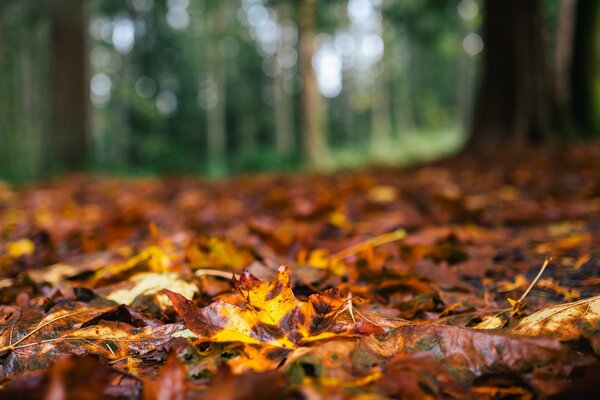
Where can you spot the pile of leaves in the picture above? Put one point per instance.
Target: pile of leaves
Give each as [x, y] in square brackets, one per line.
[461, 279]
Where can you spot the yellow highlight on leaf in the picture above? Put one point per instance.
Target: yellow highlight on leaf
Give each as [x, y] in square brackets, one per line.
[20, 248]
[320, 259]
[150, 283]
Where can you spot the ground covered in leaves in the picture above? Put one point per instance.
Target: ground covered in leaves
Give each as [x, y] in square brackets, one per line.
[461, 279]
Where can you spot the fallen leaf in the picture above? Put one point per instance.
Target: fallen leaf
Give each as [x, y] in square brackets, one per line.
[33, 340]
[148, 283]
[270, 315]
[20, 248]
[170, 384]
[469, 353]
[564, 321]
[492, 322]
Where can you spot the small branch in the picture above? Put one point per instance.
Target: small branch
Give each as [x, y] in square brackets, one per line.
[217, 273]
[372, 242]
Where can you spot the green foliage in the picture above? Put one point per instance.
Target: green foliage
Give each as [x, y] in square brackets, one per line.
[178, 86]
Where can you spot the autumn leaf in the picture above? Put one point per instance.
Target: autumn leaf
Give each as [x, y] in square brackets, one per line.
[147, 283]
[564, 321]
[20, 248]
[271, 315]
[468, 352]
[83, 378]
[170, 384]
[33, 340]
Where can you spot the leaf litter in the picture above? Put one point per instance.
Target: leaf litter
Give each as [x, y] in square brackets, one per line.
[383, 283]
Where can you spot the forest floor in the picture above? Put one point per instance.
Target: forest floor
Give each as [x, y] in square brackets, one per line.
[466, 278]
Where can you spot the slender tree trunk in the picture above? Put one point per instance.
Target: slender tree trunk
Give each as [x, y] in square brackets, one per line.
[564, 54]
[284, 134]
[516, 102]
[216, 130]
[69, 142]
[29, 114]
[380, 115]
[585, 63]
[5, 114]
[315, 145]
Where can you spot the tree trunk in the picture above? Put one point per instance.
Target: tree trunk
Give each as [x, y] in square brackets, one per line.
[516, 104]
[315, 145]
[216, 129]
[284, 130]
[69, 142]
[284, 134]
[585, 63]
[381, 141]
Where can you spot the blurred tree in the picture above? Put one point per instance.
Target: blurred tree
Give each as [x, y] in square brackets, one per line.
[214, 21]
[68, 144]
[314, 138]
[284, 132]
[585, 64]
[381, 130]
[516, 103]
[23, 88]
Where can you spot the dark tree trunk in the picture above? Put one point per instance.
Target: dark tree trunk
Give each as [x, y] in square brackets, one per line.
[516, 104]
[68, 143]
[584, 65]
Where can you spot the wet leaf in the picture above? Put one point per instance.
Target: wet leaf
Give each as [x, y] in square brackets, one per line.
[469, 353]
[32, 340]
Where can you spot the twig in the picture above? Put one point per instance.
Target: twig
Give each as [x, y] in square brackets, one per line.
[216, 272]
[518, 304]
[372, 242]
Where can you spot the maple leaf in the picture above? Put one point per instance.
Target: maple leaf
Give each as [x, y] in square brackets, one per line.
[271, 315]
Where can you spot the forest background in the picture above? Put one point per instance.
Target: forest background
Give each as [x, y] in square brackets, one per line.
[225, 87]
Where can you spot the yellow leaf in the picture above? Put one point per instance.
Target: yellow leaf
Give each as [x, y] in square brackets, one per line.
[18, 248]
[382, 194]
[320, 259]
[493, 322]
[338, 218]
[507, 286]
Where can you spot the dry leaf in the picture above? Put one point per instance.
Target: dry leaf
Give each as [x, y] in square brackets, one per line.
[564, 321]
[271, 315]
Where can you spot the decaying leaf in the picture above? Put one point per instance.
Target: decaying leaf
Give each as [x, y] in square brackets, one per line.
[468, 353]
[31, 340]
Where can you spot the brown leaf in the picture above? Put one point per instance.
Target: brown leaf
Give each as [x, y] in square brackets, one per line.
[170, 384]
[33, 340]
[82, 378]
[468, 352]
